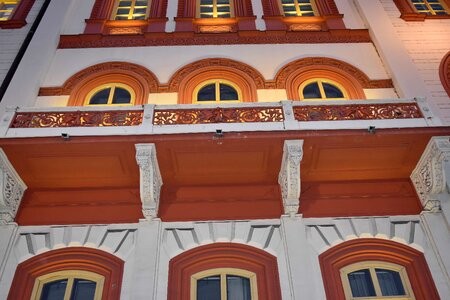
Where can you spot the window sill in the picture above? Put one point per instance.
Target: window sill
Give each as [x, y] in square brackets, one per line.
[121, 27]
[12, 24]
[317, 23]
[415, 17]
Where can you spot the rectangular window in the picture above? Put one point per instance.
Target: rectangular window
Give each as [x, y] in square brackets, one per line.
[131, 10]
[7, 8]
[214, 9]
[298, 8]
[429, 7]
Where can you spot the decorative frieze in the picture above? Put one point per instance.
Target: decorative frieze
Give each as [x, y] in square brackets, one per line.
[150, 179]
[289, 177]
[429, 176]
[12, 188]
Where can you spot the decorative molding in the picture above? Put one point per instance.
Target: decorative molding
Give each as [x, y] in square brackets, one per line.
[444, 72]
[191, 38]
[217, 115]
[357, 112]
[289, 177]
[429, 177]
[12, 189]
[150, 179]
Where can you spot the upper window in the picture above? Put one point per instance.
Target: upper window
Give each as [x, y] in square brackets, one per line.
[217, 90]
[224, 284]
[429, 7]
[322, 89]
[131, 10]
[377, 280]
[214, 9]
[7, 8]
[68, 285]
[111, 94]
[301, 8]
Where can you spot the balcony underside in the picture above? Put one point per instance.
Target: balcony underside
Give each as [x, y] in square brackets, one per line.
[205, 177]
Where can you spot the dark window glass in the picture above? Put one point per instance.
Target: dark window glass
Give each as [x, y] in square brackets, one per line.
[101, 97]
[54, 290]
[208, 288]
[83, 290]
[224, 16]
[124, 3]
[223, 9]
[311, 91]
[238, 288]
[361, 283]
[390, 283]
[332, 91]
[306, 8]
[228, 93]
[207, 93]
[121, 96]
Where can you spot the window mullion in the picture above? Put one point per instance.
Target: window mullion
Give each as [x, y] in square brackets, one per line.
[217, 84]
[111, 94]
[131, 12]
[215, 9]
[69, 287]
[375, 281]
[322, 90]
[223, 286]
[297, 8]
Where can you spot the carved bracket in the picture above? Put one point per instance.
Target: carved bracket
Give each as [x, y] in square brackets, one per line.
[289, 177]
[429, 176]
[150, 179]
[12, 188]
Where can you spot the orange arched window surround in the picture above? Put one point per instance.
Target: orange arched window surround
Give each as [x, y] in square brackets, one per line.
[72, 258]
[361, 250]
[444, 72]
[224, 255]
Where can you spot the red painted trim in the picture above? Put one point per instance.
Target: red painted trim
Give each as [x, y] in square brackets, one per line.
[72, 258]
[359, 250]
[18, 20]
[444, 72]
[224, 255]
[408, 13]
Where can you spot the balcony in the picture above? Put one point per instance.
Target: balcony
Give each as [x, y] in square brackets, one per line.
[165, 119]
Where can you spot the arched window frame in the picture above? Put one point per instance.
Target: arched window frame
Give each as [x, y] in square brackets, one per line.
[372, 265]
[70, 275]
[223, 272]
[217, 83]
[320, 82]
[113, 86]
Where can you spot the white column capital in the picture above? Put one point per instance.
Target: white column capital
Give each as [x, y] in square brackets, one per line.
[289, 177]
[429, 176]
[12, 188]
[150, 179]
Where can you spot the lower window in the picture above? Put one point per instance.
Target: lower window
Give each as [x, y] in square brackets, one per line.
[68, 285]
[224, 284]
[376, 280]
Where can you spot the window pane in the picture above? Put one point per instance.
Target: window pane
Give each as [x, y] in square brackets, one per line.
[332, 91]
[208, 288]
[361, 284]
[83, 290]
[390, 282]
[54, 290]
[228, 93]
[311, 91]
[207, 93]
[121, 96]
[101, 97]
[238, 288]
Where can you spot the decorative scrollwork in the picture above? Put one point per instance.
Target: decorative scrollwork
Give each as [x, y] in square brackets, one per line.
[357, 112]
[77, 119]
[218, 115]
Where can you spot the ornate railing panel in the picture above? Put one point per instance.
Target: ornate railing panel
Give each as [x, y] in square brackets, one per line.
[77, 119]
[218, 115]
[357, 112]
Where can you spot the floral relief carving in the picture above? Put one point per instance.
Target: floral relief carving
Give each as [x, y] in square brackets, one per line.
[429, 177]
[289, 177]
[12, 190]
[150, 179]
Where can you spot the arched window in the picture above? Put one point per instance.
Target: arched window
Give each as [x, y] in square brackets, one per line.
[73, 285]
[376, 279]
[111, 94]
[216, 90]
[223, 284]
[298, 8]
[131, 10]
[214, 9]
[322, 89]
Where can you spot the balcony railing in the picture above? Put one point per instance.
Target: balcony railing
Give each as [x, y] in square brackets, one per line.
[164, 119]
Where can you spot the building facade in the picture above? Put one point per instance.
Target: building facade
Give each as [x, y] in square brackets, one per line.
[226, 149]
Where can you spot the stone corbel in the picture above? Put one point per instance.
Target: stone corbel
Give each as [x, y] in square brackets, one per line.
[150, 179]
[429, 176]
[289, 177]
[12, 188]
